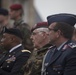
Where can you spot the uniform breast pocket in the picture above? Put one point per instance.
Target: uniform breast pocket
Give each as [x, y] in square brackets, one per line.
[58, 69]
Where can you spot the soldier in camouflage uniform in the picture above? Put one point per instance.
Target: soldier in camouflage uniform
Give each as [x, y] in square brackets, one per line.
[40, 39]
[16, 12]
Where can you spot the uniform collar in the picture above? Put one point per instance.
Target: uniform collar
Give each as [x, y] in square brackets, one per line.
[18, 21]
[61, 46]
[44, 48]
[14, 48]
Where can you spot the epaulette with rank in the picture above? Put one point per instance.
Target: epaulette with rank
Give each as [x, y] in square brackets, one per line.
[26, 51]
[72, 45]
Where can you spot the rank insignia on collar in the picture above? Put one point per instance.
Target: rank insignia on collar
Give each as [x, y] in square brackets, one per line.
[11, 59]
[50, 47]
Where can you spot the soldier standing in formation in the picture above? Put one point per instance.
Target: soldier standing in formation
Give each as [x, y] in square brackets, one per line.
[16, 13]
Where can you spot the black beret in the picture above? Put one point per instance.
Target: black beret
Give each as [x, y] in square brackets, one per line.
[4, 12]
[62, 17]
[13, 31]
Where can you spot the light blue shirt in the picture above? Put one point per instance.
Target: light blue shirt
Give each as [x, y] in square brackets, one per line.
[61, 46]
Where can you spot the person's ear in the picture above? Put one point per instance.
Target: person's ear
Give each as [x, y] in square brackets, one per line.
[59, 33]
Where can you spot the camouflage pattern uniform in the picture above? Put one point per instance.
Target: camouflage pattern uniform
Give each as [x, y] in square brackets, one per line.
[34, 63]
[25, 29]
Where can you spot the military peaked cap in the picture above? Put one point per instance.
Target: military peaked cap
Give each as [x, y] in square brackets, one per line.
[62, 17]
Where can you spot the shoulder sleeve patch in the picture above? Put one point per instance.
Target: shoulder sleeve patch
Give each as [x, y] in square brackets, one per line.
[25, 51]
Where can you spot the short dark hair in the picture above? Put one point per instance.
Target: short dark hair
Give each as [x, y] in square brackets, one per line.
[66, 29]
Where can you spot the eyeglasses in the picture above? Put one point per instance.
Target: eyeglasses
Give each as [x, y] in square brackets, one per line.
[33, 33]
[50, 29]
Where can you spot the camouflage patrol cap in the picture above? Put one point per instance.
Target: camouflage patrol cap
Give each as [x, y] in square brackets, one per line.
[62, 17]
[13, 31]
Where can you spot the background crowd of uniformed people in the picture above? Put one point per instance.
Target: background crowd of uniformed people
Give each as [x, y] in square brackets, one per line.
[48, 48]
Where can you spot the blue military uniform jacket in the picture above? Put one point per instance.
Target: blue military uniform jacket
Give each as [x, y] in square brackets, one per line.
[62, 62]
[11, 63]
